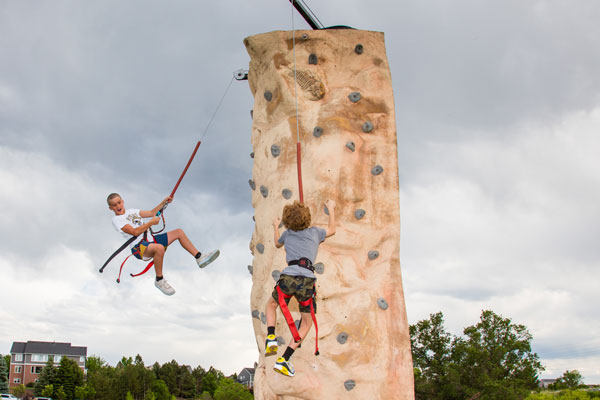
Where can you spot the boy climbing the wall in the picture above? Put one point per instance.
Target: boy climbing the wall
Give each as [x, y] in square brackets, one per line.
[297, 280]
[148, 246]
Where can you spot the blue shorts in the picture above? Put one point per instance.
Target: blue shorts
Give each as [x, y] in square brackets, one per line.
[139, 249]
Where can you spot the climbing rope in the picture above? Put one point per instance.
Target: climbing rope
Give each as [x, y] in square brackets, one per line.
[298, 145]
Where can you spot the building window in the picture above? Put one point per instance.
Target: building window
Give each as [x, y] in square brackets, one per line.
[18, 357]
[82, 359]
[39, 357]
[17, 369]
[57, 358]
[36, 369]
[17, 380]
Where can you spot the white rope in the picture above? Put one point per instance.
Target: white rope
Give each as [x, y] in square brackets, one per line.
[217, 109]
[295, 78]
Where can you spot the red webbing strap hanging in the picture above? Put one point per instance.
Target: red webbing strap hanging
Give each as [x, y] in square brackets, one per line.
[121, 269]
[299, 164]
[286, 313]
[314, 318]
[150, 264]
[186, 168]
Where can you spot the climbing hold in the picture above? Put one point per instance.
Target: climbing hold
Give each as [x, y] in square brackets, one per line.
[354, 97]
[255, 314]
[260, 247]
[276, 274]
[377, 170]
[268, 95]
[251, 114]
[342, 337]
[253, 218]
[305, 36]
[359, 49]
[382, 303]
[326, 210]
[263, 318]
[351, 146]
[252, 155]
[319, 268]
[318, 131]
[280, 340]
[358, 214]
[264, 191]
[312, 59]
[349, 384]
[275, 150]
[286, 193]
[373, 254]
[367, 127]
[297, 323]
[252, 184]
[250, 268]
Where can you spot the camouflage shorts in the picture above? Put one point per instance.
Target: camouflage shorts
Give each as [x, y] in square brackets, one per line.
[300, 287]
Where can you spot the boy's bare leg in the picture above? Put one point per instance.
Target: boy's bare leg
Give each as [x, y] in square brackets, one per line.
[157, 252]
[303, 331]
[271, 312]
[179, 234]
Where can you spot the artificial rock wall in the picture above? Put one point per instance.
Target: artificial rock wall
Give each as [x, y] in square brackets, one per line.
[349, 154]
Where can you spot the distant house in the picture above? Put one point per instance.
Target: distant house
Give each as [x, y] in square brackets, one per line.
[28, 358]
[544, 383]
[246, 378]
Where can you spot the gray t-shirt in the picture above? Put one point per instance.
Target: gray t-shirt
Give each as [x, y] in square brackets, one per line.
[298, 244]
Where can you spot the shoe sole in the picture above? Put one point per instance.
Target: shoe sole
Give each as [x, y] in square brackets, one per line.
[271, 351]
[210, 259]
[283, 371]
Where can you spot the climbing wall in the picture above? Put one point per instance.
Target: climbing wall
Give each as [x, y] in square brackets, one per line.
[348, 136]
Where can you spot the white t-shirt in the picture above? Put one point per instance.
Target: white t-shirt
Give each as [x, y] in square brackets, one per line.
[130, 217]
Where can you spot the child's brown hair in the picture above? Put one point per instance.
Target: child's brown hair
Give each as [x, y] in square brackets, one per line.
[296, 216]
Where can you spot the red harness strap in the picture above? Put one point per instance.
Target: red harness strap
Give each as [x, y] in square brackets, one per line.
[281, 297]
[150, 264]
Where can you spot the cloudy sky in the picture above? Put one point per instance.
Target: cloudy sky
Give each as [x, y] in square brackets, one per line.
[498, 120]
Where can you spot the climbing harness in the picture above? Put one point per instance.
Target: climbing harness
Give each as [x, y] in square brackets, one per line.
[281, 298]
[160, 213]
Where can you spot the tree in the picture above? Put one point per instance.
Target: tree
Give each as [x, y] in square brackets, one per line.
[47, 378]
[68, 376]
[568, 380]
[129, 396]
[19, 391]
[60, 393]
[496, 361]
[435, 372]
[228, 389]
[210, 380]
[161, 391]
[48, 390]
[3, 375]
[493, 360]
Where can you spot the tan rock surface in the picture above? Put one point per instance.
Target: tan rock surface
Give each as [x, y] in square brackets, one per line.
[357, 169]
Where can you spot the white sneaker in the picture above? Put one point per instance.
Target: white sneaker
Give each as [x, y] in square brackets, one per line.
[164, 287]
[206, 259]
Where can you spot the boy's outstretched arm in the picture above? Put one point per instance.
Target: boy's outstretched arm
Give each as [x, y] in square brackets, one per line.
[330, 204]
[276, 223]
[152, 213]
[130, 230]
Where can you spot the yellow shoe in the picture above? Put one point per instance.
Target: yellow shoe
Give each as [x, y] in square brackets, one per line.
[284, 367]
[271, 346]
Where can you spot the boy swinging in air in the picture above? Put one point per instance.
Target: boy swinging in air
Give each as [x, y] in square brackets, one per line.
[298, 279]
[148, 246]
